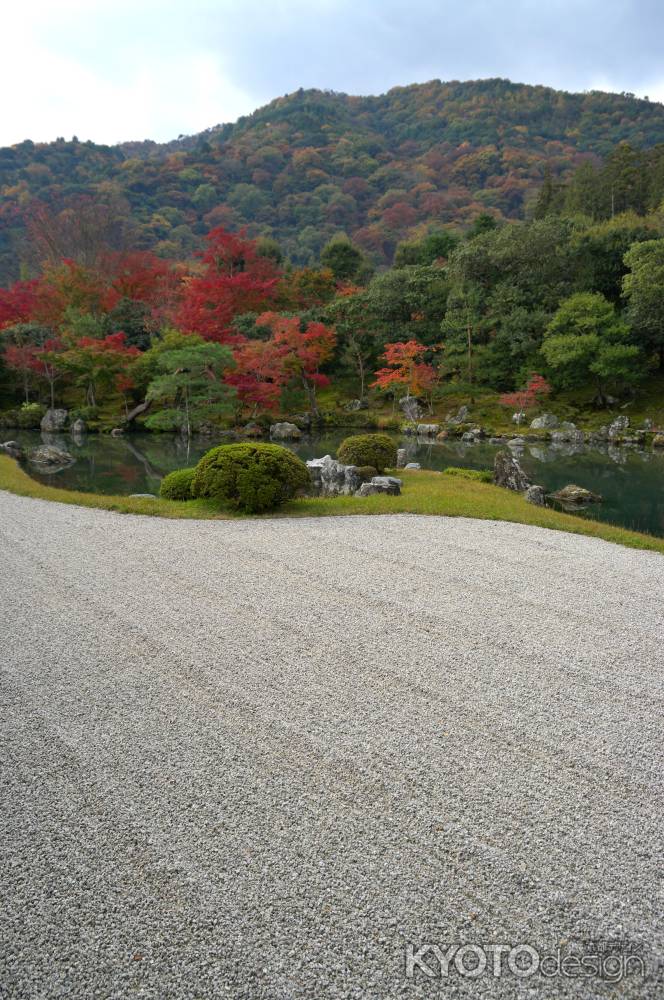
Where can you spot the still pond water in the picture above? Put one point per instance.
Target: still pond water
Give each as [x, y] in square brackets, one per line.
[630, 480]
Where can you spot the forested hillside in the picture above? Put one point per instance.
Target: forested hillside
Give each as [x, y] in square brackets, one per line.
[313, 164]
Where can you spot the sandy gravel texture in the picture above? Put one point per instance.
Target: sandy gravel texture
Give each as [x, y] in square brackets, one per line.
[258, 759]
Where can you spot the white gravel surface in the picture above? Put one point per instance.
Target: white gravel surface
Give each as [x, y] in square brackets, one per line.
[257, 759]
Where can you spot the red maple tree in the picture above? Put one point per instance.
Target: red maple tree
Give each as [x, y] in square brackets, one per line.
[235, 280]
[537, 388]
[405, 367]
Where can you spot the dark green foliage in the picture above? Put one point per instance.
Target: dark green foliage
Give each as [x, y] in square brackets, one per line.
[366, 472]
[377, 450]
[250, 477]
[343, 259]
[177, 485]
[480, 475]
[436, 246]
[27, 417]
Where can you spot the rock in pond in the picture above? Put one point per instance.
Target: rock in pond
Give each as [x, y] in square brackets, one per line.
[330, 478]
[49, 455]
[252, 430]
[428, 430]
[545, 422]
[13, 449]
[576, 495]
[78, 428]
[285, 432]
[508, 473]
[54, 421]
[618, 427]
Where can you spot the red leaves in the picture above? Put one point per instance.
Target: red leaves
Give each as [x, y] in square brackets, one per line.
[235, 280]
[405, 367]
[264, 367]
[537, 388]
[114, 343]
[17, 303]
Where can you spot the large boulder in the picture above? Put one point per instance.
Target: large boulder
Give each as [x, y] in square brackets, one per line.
[380, 484]
[330, 478]
[49, 456]
[285, 432]
[428, 430]
[355, 405]
[576, 495]
[535, 495]
[412, 408]
[78, 427]
[13, 449]
[545, 422]
[54, 421]
[461, 417]
[618, 427]
[508, 473]
[401, 458]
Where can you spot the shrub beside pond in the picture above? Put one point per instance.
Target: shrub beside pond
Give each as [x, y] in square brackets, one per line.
[376, 450]
[250, 477]
[177, 485]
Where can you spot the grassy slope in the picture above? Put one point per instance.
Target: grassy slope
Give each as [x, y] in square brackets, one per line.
[423, 493]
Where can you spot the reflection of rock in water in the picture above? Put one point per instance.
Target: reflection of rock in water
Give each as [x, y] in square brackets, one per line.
[567, 448]
[541, 453]
[55, 440]
[617, 455]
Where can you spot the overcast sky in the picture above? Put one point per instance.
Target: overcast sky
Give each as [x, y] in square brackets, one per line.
[110, 70]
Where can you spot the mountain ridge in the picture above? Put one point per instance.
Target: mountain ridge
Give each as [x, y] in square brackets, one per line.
[313, 163]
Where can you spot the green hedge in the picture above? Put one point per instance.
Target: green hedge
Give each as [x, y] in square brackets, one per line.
[480, 475]
[377, 450]
[250, 477]
[177, 485]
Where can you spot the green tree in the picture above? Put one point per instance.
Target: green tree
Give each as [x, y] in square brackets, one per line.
[643, 288]
[437, 245]
[599, 251]
[586, 340]
[346, 262]
[189, 386]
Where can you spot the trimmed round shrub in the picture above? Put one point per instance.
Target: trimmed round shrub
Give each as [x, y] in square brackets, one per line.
[250, 477]
[177, 485]
[377, 450]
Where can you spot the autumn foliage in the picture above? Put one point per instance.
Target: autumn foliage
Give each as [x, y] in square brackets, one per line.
[536, 390]
[405, 368]
[235, 279]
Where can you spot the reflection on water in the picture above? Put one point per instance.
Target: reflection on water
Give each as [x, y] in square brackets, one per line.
[630, 480]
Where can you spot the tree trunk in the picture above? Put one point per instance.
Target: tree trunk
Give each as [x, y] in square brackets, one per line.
[311, 396]
[186, 410]
[469, 334]
[140, 408]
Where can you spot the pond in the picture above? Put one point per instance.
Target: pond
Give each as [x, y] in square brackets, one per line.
[630, 480]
